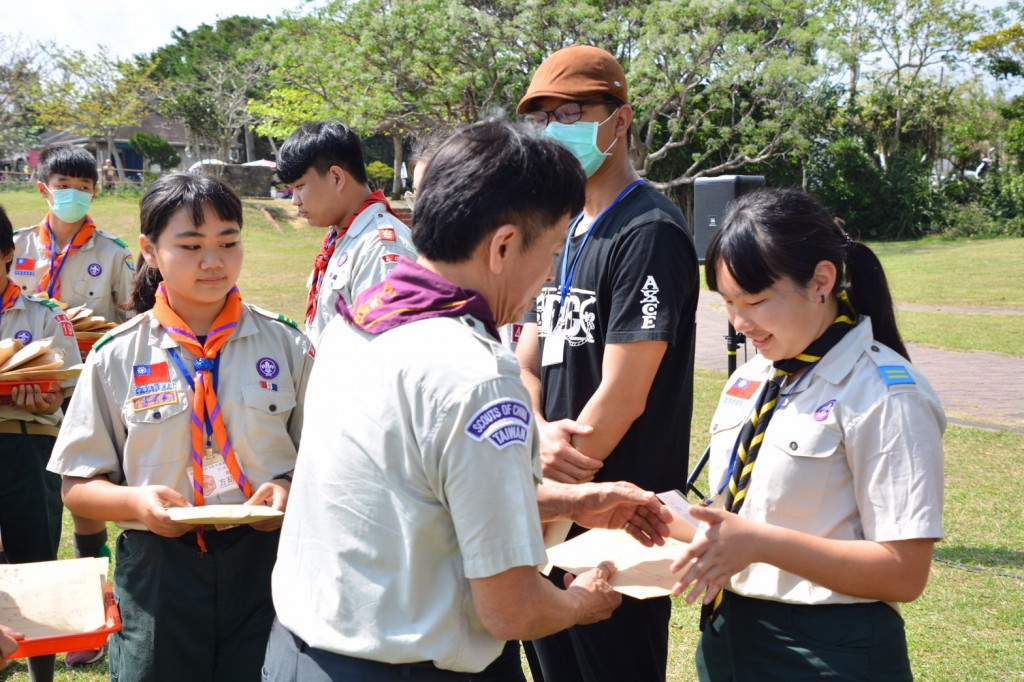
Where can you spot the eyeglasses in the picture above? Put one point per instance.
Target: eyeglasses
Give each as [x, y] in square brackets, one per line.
[566, 113]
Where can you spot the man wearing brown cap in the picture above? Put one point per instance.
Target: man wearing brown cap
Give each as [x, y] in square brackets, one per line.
[608, 356]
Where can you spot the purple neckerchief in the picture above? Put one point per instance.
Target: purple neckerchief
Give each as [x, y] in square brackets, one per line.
[410, 292]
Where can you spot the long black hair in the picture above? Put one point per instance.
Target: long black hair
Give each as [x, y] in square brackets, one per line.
[768, 234]
[189, 191]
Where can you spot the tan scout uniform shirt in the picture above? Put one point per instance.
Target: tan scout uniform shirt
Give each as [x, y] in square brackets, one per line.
[418, 472]
[99, 275]
[853, 452]
[137, 431]
[362, 257]
[31, 319]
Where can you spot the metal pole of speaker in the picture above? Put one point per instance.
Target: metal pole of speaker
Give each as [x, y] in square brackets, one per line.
[733, 341]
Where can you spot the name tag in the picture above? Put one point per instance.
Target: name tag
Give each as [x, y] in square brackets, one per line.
[554, 348]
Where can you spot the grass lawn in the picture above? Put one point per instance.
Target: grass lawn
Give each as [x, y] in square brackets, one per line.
[970, 622]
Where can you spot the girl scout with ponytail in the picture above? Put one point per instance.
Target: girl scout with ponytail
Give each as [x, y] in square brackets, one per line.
[196, 400]
[826, 457]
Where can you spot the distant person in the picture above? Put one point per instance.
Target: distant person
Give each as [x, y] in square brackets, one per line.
[196, 401]
[109, 176]
[30, 506]
[67, 258]
[826, 459]
[323, 165]
[411, 546]
[609, 361]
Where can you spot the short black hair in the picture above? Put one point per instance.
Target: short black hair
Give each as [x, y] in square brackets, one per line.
[320, 146]
[6, 235]
[69, 160]
[426, 145]
[491, 174]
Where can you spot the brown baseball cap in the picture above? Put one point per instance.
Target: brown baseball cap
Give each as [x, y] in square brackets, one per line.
[577, 72]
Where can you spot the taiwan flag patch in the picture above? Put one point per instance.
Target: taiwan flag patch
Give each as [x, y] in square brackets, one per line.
[150, 374]
[743, 388]
[25, 267]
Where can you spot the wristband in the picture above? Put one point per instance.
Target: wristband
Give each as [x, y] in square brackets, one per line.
[282, 477]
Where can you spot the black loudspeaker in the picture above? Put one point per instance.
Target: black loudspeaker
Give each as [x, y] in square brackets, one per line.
[710, 197]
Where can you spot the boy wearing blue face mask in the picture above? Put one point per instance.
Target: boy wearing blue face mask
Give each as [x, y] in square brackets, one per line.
[66, 258]
[608, 354]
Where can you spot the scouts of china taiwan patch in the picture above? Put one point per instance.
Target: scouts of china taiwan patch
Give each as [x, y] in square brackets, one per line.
[502, 422]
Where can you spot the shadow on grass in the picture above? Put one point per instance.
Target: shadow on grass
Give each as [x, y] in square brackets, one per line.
[1002, 558]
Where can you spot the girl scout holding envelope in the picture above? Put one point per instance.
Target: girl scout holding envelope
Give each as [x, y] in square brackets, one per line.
[195, 401]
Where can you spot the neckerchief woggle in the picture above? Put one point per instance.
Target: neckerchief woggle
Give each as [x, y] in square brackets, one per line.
[206, 410]
[410, 292]
[50, 281]
[327, 250]
[567, 271]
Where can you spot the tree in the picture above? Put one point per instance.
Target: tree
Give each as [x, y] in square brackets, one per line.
[95, 95]
[155, 149]
[210, 74]
[20, 78]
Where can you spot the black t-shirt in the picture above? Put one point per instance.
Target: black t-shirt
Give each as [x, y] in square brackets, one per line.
[636, 280]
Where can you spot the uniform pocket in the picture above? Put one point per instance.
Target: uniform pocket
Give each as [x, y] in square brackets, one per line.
[277, 403]
[793, 468]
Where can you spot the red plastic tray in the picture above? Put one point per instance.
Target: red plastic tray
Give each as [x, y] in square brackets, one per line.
[45, 385]
[42, 646]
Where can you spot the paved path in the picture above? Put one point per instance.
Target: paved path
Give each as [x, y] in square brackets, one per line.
[977, 388]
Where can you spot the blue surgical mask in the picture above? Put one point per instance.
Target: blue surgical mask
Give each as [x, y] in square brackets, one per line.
[581, 139]
[70, 205]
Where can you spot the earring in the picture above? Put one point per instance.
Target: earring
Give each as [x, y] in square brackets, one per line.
[823, 298]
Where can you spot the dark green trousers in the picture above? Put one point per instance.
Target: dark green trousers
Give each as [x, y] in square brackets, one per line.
[755, 639]
[192, 616]
[30, 506]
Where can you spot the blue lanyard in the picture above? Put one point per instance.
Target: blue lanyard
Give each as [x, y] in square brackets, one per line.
[55, 276]
[192, 384]
[567, 271]
[736, 445]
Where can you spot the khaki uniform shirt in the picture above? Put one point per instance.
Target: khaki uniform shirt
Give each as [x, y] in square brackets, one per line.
[31, 319]
[853, 452]
[98, 276]
[362, 257]
[134, 427]
[418, 472]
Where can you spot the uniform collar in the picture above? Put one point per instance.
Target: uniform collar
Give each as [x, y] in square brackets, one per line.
[839, 361]
[89, 243]
[365, 219]
[160, 338]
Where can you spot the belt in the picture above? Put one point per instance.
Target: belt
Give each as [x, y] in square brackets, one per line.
[28, 428]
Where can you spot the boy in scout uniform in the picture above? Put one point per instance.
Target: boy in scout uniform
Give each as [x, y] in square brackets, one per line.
[30, 506]
[323, 164]
[65, 257]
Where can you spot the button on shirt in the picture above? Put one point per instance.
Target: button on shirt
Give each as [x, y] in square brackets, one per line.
[98, 276]
[418, 472]
[362, 257]
[36, 319]
[846, 456]
[136, 430]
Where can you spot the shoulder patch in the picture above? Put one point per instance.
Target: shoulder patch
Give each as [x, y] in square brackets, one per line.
[275, 316]
[124, 326]
[895, 375]
[502, 422]
[114, 238]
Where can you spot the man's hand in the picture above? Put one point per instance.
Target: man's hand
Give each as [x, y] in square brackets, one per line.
[595, 598]
[33, 399]
[607, 505]
[559, 460]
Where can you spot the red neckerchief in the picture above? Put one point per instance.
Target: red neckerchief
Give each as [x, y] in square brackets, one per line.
[327, 250]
